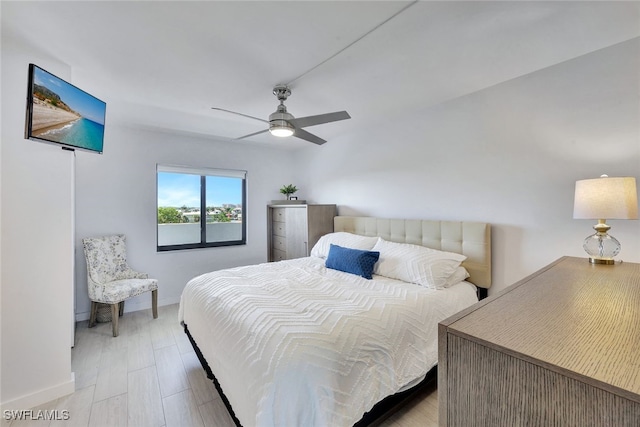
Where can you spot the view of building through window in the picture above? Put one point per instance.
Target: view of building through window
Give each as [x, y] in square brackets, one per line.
[200, 207]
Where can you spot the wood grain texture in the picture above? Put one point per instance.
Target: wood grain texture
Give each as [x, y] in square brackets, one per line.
[144, 404]
[293, 229]
[109, 412]
[181, 410]
[559, 347]
[508, 391]
[172, 377]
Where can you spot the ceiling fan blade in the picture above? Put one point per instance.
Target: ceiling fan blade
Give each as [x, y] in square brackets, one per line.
[252, 134]
[240, 114]
[303, 134]
[302, 122]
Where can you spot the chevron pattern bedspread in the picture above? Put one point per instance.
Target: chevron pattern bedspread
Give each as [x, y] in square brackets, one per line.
[293, 343]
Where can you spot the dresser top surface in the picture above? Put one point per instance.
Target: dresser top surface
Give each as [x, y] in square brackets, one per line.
[572, 316]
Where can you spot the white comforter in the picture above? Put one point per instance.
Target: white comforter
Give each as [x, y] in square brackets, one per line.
[293, 343]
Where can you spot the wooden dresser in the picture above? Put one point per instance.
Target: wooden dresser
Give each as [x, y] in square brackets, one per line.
[294, 229]
[559, 348]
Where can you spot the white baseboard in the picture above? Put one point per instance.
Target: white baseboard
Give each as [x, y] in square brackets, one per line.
[133, 306]
[40, 397]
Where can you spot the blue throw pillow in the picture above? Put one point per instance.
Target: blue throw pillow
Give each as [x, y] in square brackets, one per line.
[354, 261]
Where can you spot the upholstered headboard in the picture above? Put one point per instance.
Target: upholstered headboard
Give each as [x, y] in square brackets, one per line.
[472, 239]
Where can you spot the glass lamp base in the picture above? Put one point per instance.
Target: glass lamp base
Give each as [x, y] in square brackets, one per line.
[601, 248]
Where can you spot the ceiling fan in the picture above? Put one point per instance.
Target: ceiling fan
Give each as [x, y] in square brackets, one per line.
[283, 124]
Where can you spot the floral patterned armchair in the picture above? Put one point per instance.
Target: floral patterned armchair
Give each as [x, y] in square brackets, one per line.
[111, 280]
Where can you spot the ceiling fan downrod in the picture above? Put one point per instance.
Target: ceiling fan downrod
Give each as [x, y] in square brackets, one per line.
[279, 120]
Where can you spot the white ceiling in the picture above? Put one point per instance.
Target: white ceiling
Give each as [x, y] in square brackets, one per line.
[164, 64]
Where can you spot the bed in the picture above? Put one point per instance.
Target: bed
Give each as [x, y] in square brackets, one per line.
[295, 343]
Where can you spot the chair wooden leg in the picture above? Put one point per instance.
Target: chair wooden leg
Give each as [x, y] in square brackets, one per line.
[114, 318]
[154, 303]
[121, 308]
[94, 313]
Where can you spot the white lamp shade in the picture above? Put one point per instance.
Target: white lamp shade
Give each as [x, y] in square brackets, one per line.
[606, 198]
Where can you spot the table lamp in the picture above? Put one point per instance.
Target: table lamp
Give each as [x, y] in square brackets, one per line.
[604, 198]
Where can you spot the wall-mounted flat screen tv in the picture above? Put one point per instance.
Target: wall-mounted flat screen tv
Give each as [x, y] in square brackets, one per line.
[60, 113]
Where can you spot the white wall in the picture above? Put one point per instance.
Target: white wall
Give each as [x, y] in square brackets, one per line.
[37, 247]
[116, 193]
[508, 155]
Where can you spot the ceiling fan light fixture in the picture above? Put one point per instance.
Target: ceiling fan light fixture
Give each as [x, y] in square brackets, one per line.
[282, 124]
[281, 128]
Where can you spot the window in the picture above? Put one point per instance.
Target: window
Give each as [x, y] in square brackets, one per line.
[199, 208]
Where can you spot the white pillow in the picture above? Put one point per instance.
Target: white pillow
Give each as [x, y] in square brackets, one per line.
[459, 274]
[344, 239]
[416, 264]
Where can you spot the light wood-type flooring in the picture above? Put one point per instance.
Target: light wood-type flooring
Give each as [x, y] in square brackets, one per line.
[150, 376]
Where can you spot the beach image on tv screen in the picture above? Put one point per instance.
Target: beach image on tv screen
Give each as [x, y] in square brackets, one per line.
[63, 113]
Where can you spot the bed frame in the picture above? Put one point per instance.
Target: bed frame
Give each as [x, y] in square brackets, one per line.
[472, 239]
